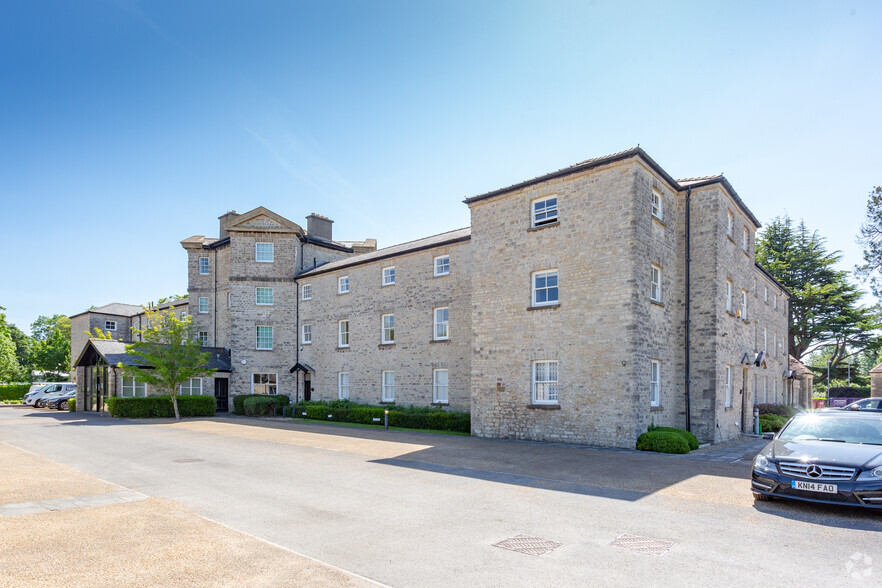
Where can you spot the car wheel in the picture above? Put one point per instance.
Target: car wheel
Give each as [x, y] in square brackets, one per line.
[761, 497]
[62, 405]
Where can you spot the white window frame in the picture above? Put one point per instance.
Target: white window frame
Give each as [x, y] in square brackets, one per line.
[257, 336]
[440, 325]
[745, 240]
[440, 391]
[183, 314]
[110, 325]
[549, 213]
[268, 254]
[766, 294]
[388, 276]
[229, 300]
[204, 268]
[728, 295]
[306, 334]
[730, 228]
[131, 388]
[343, 385]
[343, 285]
[441, 267]
[343, 334]
[655, 283]
[545, 274]
[306, 292]
[203, 341]
[202, 309]
[654, 382]
[765, 341]
[264, 289]
[728, 400]
[775, 301]
[270, 387]
[190, 386]
[387, 329]
[548, 387]
[744, 305]
[657, 206]
[387, 393]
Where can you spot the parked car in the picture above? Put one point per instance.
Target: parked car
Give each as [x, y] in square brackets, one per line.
[831, 456]
[60, 401]
[868, 404]
[35, 398]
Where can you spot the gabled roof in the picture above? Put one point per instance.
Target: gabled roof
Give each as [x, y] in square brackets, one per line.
[799, 367]
[877, 369]
[114, 352]
[115, 309]
[272, 223]
[447, 238]
[721, 179]
[770, 277]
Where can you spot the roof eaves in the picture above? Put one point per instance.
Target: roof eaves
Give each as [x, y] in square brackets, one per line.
[766, 273]
[722, 180]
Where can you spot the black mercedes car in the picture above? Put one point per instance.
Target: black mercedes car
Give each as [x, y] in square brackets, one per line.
[829, 456]
[60, 401]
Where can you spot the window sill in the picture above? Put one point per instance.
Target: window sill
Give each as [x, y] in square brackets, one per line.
[727, 408]
[732, 314]
[659, 221]
[545, 226]
[543, 306]
[385, 345]
[343, 348]
[656, 303]
[263, 349]
[656, 408]
[387, 402]
[728, 236]
[439, 341]
[746, 253]
[544, 406]
[387, 285]
[306, 342]
[342, 293]
[441, 275]
[440, 404]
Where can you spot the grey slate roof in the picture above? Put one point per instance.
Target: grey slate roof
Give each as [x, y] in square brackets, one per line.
[114, 352]
[394, 250]
[115, 308]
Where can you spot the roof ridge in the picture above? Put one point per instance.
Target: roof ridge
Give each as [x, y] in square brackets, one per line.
[408, 242]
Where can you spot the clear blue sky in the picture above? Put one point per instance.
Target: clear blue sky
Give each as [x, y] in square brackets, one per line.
[126, 126]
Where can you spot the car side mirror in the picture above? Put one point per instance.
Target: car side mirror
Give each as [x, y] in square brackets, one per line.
[768, 435]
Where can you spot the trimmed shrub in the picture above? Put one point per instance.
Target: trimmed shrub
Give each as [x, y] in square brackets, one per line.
[13, 391]
[411, 417]
[772, 422]
[239, 401]
[781, 410]
[160, 407]
[691, 439]
[662, 442]
[72, 405]
[850, 392]
[263, 405]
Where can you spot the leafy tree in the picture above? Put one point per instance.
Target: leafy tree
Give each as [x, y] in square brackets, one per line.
[10, 369]
[171, 298]
[51, 347]
[169, 346]
[871, 238]
[825, 314]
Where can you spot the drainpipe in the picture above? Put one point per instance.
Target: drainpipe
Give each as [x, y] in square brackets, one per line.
[214, 339]
[688, 301]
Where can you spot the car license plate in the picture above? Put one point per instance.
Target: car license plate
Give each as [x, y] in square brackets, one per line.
[814, 487]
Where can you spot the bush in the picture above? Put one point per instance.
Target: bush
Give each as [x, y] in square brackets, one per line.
[13, 391]
[263, 405]
[691, 439]
[239, 401]
[411, 417]
[772, 422]
[663, 442]
[160, 406]
[850, 392]
[72, 405]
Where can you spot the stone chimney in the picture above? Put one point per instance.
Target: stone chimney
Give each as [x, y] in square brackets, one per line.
[224, 220]
[319, 226]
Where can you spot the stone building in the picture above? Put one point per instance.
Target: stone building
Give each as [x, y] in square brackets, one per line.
[800, 382]
[579, 306]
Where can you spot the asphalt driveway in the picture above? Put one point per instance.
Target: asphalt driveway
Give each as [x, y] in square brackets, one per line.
[410, 509]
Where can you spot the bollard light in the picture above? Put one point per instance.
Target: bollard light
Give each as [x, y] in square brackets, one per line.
[387, 419]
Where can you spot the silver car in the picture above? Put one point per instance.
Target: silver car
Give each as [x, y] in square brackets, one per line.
[31, 398]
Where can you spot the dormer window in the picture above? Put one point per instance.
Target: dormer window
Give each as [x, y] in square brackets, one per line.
[544, 211]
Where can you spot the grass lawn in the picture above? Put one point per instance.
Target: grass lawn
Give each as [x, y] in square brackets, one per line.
[363, 426]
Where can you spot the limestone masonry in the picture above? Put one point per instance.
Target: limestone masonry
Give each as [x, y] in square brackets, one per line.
[580, 307]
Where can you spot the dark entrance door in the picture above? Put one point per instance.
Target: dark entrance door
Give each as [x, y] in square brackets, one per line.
[307, 388]
[222, 394]
[96, 387]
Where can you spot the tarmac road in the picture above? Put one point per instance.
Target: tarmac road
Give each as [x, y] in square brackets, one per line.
[409, 509]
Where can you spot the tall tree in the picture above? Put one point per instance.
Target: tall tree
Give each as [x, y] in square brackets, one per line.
[10, 369]
[170, 348]
[51, 347]
[825, 313]
[871, 238]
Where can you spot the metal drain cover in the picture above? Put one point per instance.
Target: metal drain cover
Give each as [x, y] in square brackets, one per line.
[528, 545]
[188, 460]
[642, 544]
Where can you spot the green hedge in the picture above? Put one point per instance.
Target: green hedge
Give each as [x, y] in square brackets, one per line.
[160, 406]
[13, 391]
[849, 392]
[772, 422]
[411, 417]
[72, 405]
[263, 405]
[691, 439]
[239, 401]
[663, 442]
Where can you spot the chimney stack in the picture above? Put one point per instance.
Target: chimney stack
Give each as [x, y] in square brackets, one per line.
[319, 226]
[224, 220]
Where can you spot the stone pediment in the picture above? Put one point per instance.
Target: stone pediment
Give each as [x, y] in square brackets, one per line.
[263, 220]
